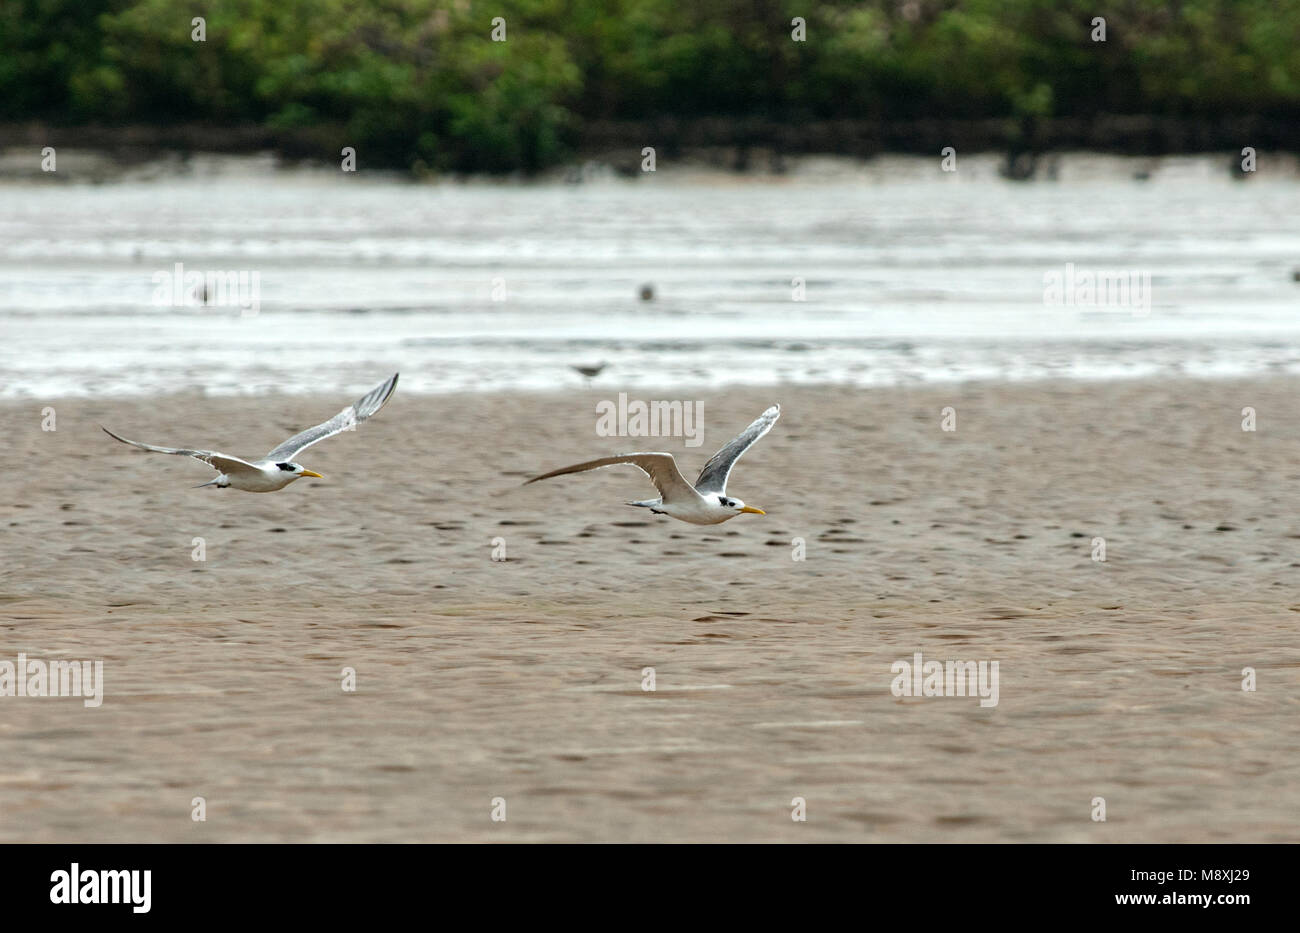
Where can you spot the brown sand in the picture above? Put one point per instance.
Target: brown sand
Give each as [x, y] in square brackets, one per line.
[522, 679]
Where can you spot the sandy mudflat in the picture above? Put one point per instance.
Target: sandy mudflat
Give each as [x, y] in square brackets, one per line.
[521, 679]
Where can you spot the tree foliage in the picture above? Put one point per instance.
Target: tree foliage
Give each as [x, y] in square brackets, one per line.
[421, 83]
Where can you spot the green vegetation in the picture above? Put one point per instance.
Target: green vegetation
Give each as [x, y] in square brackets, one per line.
[419, 83]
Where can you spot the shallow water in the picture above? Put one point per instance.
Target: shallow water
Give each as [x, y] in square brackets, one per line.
[909, 276]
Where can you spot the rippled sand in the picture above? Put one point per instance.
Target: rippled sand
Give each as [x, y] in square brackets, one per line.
[521, 679]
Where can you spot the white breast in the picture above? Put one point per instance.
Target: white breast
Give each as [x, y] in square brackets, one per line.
[264, 480]
[704, 511]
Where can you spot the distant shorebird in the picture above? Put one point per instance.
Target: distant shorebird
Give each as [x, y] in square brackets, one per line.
[705, 503]
[277, 469]
[590, 372]
[647, 292]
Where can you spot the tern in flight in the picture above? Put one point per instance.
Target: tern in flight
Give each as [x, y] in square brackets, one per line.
[278, 468]
[705, 503]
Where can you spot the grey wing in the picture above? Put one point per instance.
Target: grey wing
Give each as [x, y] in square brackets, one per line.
[218, 461]
[713, 478]
[660, 467]
[349, 417]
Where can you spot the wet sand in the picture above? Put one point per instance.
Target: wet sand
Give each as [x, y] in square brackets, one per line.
[521, 678]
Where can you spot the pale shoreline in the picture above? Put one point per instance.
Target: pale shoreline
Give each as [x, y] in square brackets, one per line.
[522, 679]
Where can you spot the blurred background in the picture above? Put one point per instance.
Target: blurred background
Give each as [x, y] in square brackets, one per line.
[800, 224]
[417, 84]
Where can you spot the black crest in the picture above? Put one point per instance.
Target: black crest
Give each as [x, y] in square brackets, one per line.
[287, 467]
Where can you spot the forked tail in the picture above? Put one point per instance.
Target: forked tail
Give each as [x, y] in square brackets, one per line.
[647, 503]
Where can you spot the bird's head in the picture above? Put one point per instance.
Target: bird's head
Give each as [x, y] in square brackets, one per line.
[727, 502]
[297, 469]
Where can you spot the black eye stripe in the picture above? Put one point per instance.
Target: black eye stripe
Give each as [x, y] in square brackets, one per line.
[287, 467]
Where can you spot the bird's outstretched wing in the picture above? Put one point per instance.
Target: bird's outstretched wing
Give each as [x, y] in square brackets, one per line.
[222, 462]
[713, 478]
[660, 467]
[349, 417]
